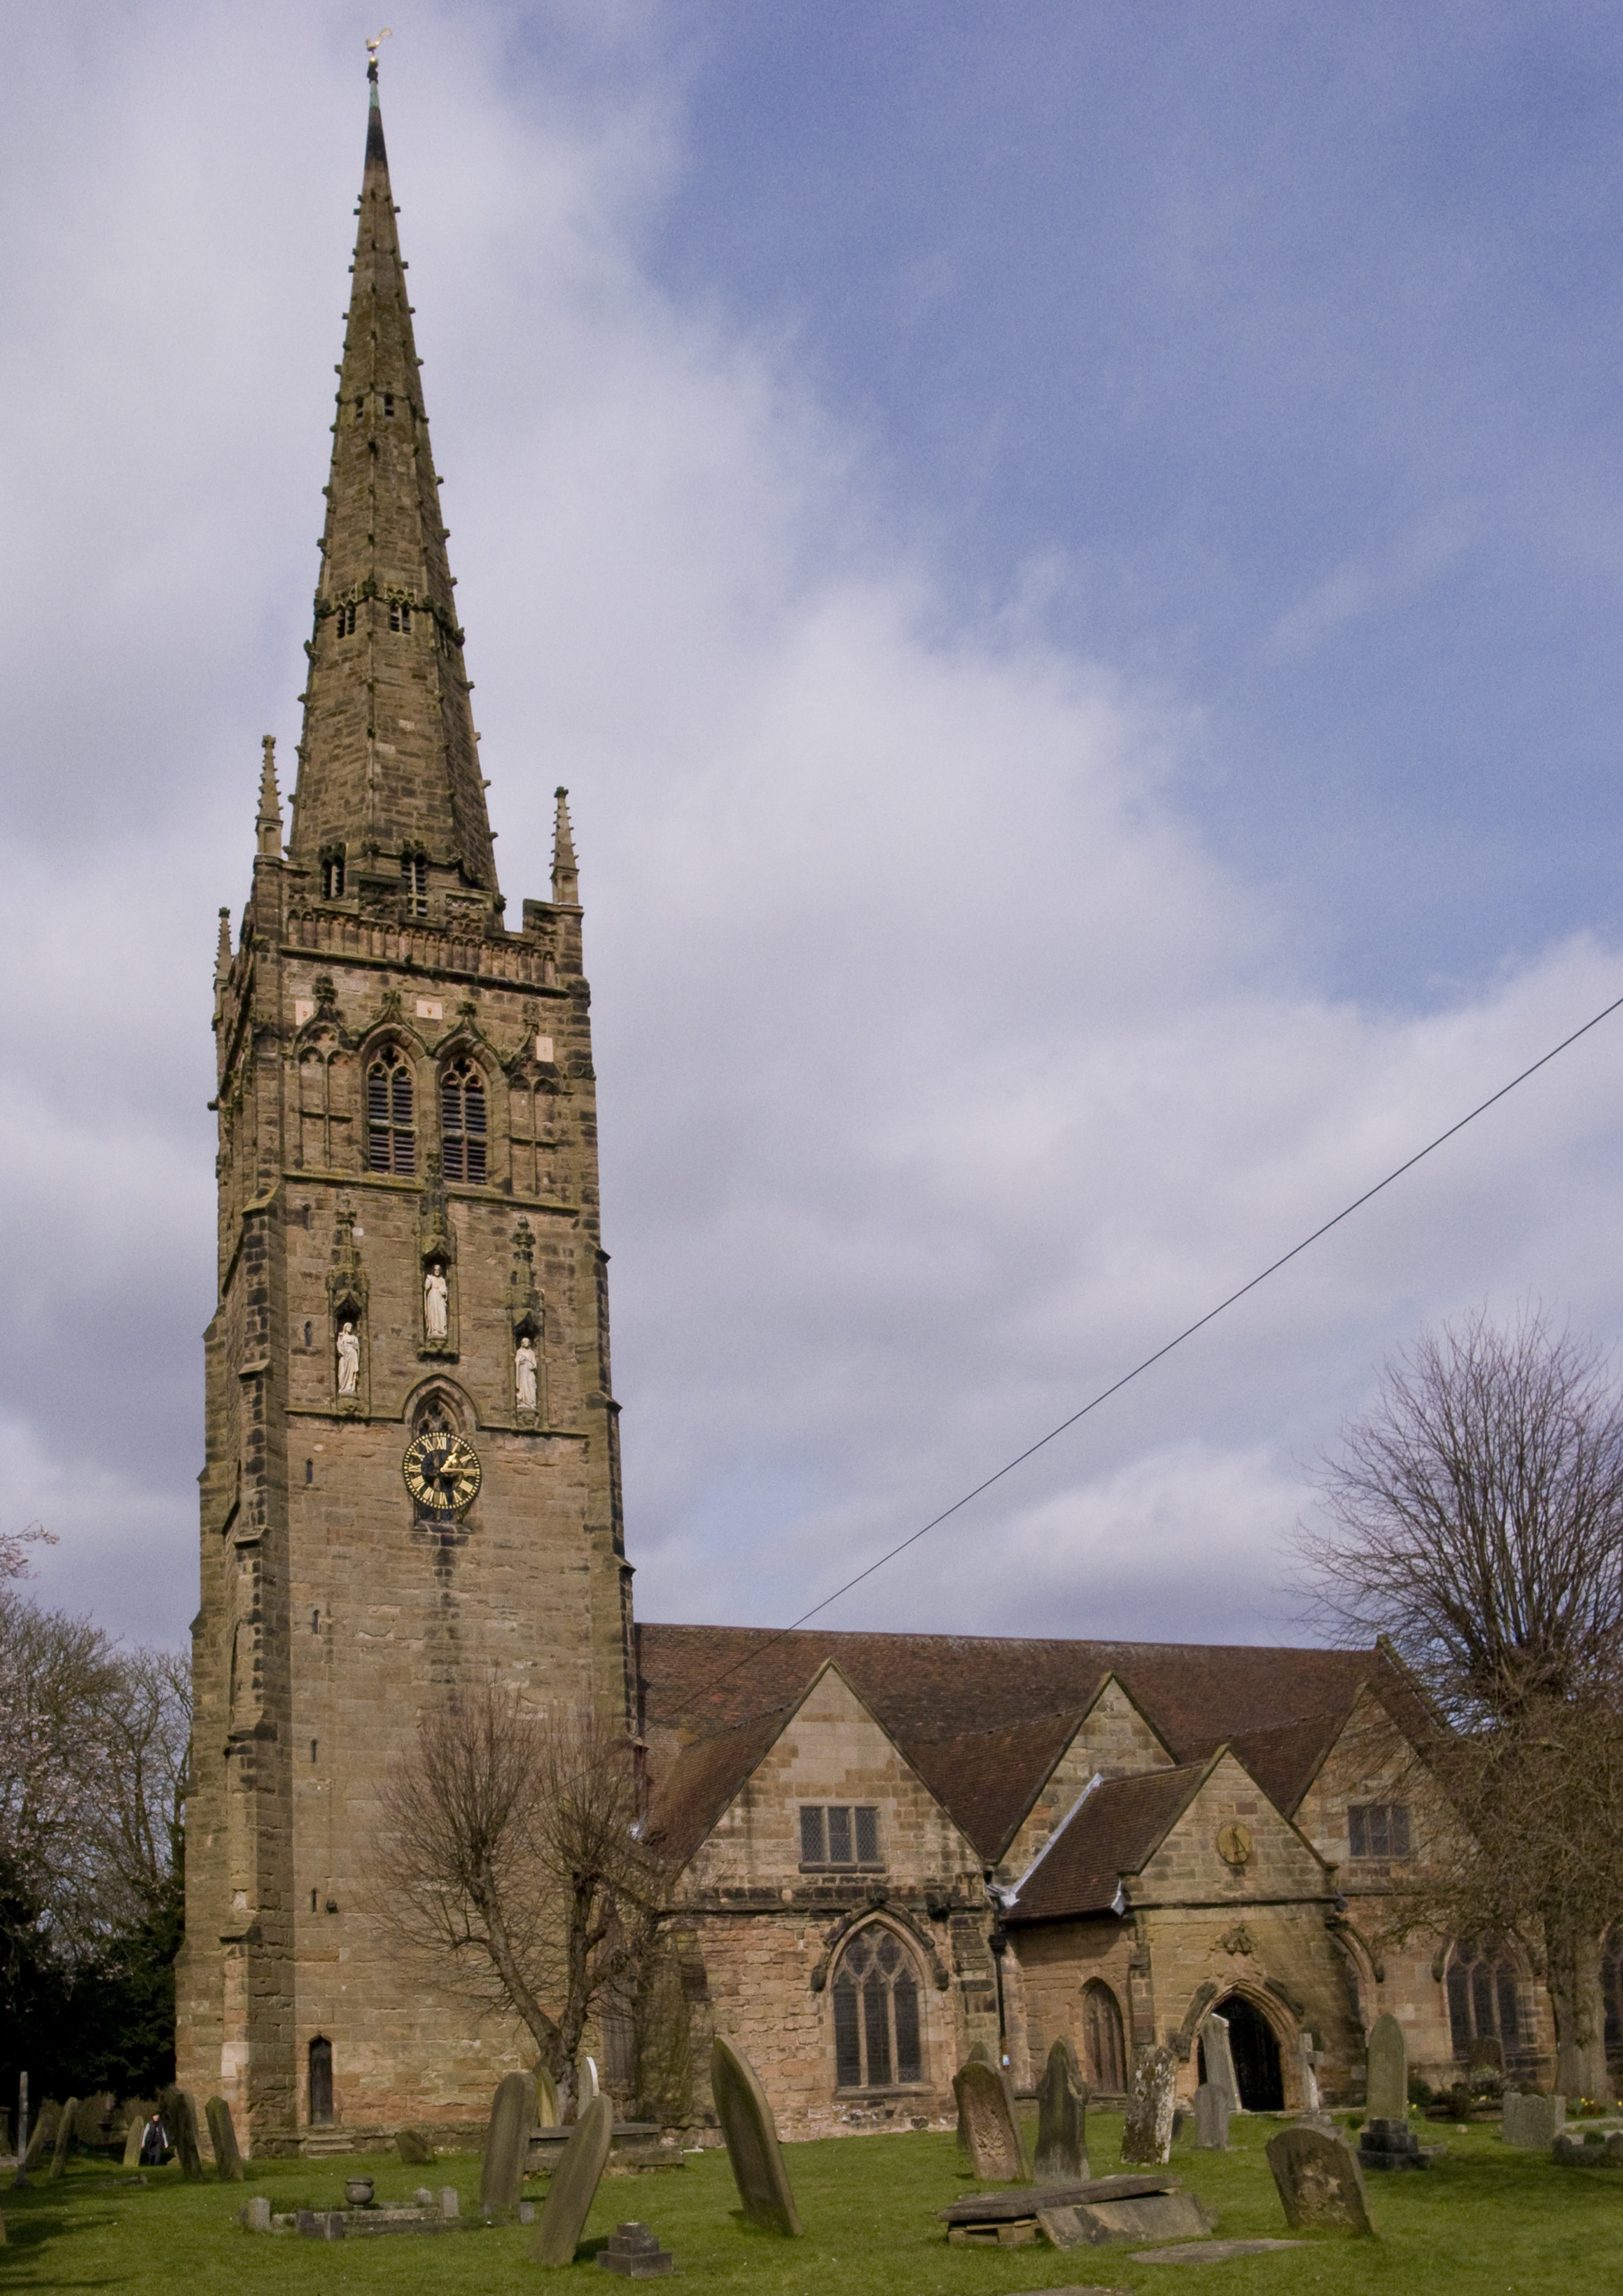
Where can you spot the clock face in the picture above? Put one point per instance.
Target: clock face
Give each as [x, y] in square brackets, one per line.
[442, 1471]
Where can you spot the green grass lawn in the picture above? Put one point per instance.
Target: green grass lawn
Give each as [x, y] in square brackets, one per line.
[1482, 2220]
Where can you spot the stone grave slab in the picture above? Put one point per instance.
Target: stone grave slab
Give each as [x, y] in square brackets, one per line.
[980, 2055]
[1010, 2219]
[1386, 2092]
[1532, 2122]
[751, 2142]
[450, 2203]
[1147, 2134]
[1390, 2144]
[254, 2215]
[1062, 2117]
[997, 2151]
[1211, 2119]
[222, 2135]
[574, 2186]
[634, 2254]
[501, 2174]
[1588, 2148]
[415, 2147]
[64, 2138]
[1212, 2252]
[1220, 2060]
[1156, 2216]
[1321, 2187]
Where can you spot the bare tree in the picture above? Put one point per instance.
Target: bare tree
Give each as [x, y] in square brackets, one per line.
[1476, 1521]
[511, 1850]
[145, 1725]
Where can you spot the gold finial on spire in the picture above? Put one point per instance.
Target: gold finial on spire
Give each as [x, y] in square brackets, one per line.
[375, 41]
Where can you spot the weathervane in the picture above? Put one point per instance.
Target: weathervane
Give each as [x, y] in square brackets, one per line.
[374, 43]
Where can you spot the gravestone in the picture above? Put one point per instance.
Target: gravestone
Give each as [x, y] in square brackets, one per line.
[450, 2206]
[133, 2134]
[64, 2138]
[45, 2133]
[1147, 2137]
[1386, 2092]
[501, 2176]
[1062, 2118]
[634, 2254]
[1156, 2216]
[1532, 2123]
[254, 2215]
[1319, 2186]
[222, 2135]
[179, 2117]
[1486, 2054]
[574, 2186]
[590, 2085]
[1220, 2060]
[413, 2146]
[980, 2055]
[1211, 2119]
[751, 2142]
[546, 2099]
[990, 2127]
[1307, 2071]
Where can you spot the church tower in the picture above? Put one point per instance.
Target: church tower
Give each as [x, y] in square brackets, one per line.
[411, 1478]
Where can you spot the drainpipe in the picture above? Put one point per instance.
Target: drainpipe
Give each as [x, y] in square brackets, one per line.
[998, 1942]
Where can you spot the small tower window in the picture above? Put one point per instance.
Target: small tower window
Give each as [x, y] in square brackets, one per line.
[360, 408]
[346, 620]
[413, 883]
[462, 1123]
[321, 2083]
[389, 406]
[390, 1145]
[332, 877]
[400, 615]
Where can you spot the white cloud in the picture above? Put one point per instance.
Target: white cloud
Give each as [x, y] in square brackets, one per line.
[944, 1072]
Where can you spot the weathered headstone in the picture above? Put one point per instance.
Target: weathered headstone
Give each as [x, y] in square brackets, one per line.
[179, 2117]
[450, 2206]
[133, 2134]
[64, 2138]
[415, 2147]
[1211, 2119]
[1386, 2092]
[751, 2142]
[574, 2186]
[254, 2215]
[1146, 2135]
[501, 2177]
[1158, 2215]
[1320, 2186]
[980, 2055]
[1486, 2054]
[990, 2127]
[546, 2099]
[590, 2086]
[634, 2254]
[1062, 2118]
[1220, 2060]
[1307, 2071]
[1532, 2123]
[45, 2133]
[222, 2135]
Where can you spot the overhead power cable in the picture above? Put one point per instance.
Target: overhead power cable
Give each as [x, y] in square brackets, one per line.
[1188, 1333]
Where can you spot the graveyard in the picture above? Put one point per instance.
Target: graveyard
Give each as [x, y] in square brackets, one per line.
[1484, 2217]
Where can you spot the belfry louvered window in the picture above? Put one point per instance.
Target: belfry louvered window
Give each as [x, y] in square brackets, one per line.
[877, 2040]
[391, 1143]
[413, 883]
[346, 620]
[400, 615]
[462, 1123]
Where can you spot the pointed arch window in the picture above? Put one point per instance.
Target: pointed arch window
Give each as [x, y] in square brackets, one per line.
[1104, 2044]
[390, 1142]
[877, 2036]
[321, 1119]
[462, 1131]
[332, 876]
[413, 883]
[1483, 2000]
[346, 620]
[400, 615]
[529, 1118]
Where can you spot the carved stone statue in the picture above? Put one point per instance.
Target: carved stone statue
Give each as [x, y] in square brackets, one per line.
[436, 1305]
[349, 1359]
[523, 1372]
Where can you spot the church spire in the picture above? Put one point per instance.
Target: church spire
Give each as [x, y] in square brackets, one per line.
[565, 877]
[389, 780]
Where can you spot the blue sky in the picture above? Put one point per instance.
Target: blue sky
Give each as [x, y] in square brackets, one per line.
[1069, 557]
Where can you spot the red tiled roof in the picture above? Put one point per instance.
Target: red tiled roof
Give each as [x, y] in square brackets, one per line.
[1118, 1827]
[980, 1718]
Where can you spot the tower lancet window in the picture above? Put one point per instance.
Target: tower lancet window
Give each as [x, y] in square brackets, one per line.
[332, 877]
[399, 614]
[346, 620]
[413, 883]
[390, 1142]
[462, 1124]
[389, 406]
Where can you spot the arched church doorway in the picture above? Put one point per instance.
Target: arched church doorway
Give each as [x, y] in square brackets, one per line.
[1258, 2073]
